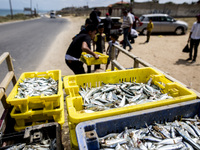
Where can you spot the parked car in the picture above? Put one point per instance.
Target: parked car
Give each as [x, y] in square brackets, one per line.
[116, 25]
[162, 23]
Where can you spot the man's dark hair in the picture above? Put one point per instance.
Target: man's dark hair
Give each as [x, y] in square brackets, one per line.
[88, 21]
[125, 11]
[98, 13]
[90, 27]
[115, 36]
[101, 25]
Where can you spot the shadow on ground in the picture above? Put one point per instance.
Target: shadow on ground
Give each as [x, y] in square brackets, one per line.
[184, 62]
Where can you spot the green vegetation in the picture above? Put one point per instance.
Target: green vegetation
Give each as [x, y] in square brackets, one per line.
[15, 17]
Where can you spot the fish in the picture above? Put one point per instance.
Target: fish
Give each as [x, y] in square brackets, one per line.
[149, 137]
[170, 141]
[172, 147]
[188, 128]
[122, 94]
[36, 87]
[188, 139]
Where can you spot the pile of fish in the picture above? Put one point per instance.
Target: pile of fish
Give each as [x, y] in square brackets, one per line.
[89, 55]
[123, 94]
[44, 145]
[36, 87]
[184, 135]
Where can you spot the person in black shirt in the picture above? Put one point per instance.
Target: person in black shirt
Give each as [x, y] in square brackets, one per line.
[94, 18]
[83, 30]
[81, 43]
[87, 22]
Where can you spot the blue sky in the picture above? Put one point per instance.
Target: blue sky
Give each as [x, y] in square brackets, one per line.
[59, 4]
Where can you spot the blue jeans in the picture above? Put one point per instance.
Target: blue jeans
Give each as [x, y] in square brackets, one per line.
[126, 41]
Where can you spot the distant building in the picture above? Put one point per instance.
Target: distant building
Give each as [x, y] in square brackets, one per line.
[118, 4]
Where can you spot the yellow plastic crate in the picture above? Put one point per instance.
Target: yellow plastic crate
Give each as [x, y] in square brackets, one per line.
[92, 61]
[74, 101]
[35, 117]
[72, 135]
[73, 83]
[115, 69]
[37, 102]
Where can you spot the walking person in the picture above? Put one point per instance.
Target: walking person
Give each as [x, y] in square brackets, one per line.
[81, 43]
[127, 26]
[133, 19]
[194, 39]
[132, 16]
[149, 29]
[94, 17]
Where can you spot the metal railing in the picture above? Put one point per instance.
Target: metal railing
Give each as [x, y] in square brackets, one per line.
[10, 76]
[137, 62]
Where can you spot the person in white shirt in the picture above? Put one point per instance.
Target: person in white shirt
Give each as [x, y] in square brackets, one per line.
[194, 39]
[133, 34]
[132, 15]
[127, 26]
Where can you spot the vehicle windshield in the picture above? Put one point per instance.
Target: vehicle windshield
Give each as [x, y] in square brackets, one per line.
[170, 19]
[142, 18]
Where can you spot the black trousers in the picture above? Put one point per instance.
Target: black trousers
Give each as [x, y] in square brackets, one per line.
[75, 66]
[148, 35]
[194, 44]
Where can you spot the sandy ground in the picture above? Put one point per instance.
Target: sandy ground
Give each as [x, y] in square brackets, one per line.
[163, 51]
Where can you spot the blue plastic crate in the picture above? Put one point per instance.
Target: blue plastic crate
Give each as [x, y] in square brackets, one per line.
[87, 133]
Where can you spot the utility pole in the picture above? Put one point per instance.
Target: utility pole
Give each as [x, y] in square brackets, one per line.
[31, 7]
[131, 2]
[11, 11]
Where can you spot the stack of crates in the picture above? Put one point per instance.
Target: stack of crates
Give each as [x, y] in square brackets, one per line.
[74, 101]
[30, 111]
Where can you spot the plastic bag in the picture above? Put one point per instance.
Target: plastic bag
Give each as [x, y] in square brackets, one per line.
[186, 49]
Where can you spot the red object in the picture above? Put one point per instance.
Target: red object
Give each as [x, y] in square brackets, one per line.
[107, 14]
[141, 23]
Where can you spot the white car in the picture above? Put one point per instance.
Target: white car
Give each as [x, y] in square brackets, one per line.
[162, 23]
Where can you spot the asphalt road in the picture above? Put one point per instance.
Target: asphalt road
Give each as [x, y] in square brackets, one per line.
[28, 42]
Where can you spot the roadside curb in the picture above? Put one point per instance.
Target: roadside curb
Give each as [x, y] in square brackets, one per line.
[10, 22]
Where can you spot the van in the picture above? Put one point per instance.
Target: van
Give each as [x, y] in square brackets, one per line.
[52, 15]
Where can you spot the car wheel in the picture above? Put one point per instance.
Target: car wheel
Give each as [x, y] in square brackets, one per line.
[179, 31]
[144, 31]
